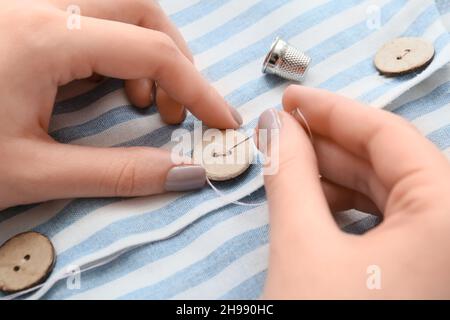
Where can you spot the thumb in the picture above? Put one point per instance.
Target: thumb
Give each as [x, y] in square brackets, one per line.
[79, 171]
[298, 208]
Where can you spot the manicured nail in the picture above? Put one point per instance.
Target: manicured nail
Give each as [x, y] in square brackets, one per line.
[237, 116]
[184, 178]
[269, 121]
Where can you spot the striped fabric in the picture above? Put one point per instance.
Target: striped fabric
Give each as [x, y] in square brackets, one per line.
[197, 245]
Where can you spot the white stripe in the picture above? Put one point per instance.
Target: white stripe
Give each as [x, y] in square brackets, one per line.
[236, 273]
[424, 88]
[110, 101]
[446, 21]
[100, 218]
[256, 32]
[434, 120]
[123, 132]
[173, 6]
[30, 219]
[217, 18]
[196, 251]
[155, 235]
[349, 217]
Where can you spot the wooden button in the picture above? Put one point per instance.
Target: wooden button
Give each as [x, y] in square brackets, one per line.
[404, 55]
[25, 261]
[224, 154]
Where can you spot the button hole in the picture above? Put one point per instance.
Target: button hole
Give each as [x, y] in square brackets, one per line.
[16, 268]
[406, 52]
[27, 257]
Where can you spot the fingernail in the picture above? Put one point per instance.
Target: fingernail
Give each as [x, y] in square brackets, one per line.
[237, 116]
[184, 178]
[269, 121]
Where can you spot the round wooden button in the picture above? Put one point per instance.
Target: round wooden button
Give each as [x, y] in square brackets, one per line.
[404, 55]
[25, 261]
[224, 154]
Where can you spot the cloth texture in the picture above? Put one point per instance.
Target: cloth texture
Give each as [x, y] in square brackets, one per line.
[198, 245]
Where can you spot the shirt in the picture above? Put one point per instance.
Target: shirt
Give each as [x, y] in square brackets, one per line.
[197, 244]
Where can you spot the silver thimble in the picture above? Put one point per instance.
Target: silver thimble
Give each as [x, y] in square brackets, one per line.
[286, 61]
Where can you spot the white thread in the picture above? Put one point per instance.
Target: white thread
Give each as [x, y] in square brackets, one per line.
[222, 194]
[305, 122]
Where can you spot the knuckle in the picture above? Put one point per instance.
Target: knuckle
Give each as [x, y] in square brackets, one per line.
[167, 50]
[141, 8]
[166, 45]
[124, 182]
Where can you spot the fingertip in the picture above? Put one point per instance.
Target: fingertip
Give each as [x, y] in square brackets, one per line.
[140, 92]
[290, 97]
[171, 112]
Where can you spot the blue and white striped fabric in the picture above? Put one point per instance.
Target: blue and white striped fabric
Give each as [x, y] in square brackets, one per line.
[196, 245]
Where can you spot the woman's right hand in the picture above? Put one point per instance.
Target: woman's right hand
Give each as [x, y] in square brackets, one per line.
[370, 160]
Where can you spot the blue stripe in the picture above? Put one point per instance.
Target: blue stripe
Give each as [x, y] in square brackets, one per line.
[205, 269]
[443, 6]
[79, 102]
[11, 212]
[196, 11]
[101, 123]
[235, 25]
[250, 289]
[363, 225]
[441, 137]
[434, 100]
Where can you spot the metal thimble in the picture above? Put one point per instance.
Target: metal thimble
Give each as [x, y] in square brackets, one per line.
[286, 61]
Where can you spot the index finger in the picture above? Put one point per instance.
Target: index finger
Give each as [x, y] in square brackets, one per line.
[393, 147]
[129, 52]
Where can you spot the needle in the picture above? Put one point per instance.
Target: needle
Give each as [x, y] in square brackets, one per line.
[237, 144]
[246, 139]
